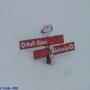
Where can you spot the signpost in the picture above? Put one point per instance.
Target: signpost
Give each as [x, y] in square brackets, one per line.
[47, 41]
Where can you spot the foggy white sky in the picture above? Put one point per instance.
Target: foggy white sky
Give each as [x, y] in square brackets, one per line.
[23, 19]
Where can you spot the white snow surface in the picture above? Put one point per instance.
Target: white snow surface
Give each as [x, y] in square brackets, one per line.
[23, 19]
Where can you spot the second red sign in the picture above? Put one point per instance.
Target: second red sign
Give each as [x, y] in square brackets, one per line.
[57, 50]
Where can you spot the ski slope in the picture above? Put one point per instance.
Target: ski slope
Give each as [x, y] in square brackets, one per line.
[23, 19]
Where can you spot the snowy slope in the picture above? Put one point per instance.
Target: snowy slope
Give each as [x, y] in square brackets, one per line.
[23, 19]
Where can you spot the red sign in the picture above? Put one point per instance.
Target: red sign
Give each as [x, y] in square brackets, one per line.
[64, 48]
[41, 53]
[41, 42]
[57, 50]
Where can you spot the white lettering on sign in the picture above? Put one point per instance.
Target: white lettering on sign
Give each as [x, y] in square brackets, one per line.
[33, 43]
[27, 44]
[23, 45]
[39, 42]
[65, 48]
[71, 46]
[30, 44]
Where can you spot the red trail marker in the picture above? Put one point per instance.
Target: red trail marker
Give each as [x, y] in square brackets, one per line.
[57, 50]
[24, 44]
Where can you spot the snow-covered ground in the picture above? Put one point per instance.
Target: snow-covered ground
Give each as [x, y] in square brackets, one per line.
[23, 19]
